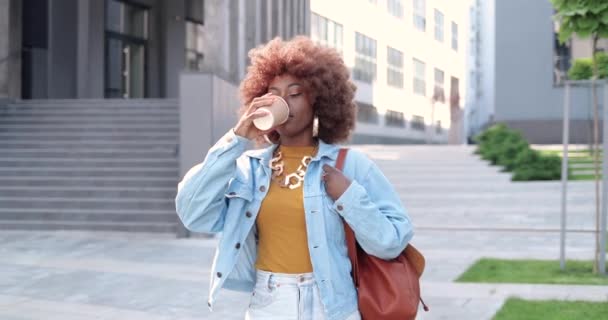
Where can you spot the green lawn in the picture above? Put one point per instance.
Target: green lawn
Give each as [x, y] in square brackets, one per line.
[519, 309]
[576, 157]
[580, 177]
[532, 271]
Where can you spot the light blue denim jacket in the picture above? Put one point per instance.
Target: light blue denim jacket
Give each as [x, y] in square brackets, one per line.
[224, 194]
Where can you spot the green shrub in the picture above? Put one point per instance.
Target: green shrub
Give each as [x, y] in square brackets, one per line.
[532, 165]
[508, 148]
[582, 69]
[602, 64]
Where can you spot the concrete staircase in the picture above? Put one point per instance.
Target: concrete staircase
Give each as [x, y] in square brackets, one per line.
[89, 165]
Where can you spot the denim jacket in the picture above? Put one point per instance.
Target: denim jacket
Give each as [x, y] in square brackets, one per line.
[224, 194]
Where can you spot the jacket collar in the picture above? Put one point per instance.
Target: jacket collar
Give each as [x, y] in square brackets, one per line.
[327, 150]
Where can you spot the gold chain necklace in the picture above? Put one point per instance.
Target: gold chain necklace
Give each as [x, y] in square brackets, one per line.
[293, 180]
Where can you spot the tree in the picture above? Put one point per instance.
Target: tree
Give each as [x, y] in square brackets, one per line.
[587, 18]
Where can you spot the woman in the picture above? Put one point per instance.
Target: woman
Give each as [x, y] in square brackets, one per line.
[283, 239]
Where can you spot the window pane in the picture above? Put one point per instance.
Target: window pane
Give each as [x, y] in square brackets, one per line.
[365, 58]
[439, 25]
[454, 36]
[126, 19]
[419, 14]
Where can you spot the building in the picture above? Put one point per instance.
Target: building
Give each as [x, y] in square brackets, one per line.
[67, 49]
[517, 72]
[104, 104]
[408, 60]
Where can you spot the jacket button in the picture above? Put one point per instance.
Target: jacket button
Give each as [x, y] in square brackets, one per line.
[248, 214]
[263, 189]
[238, 245]
[340, 207]
[219, 274]
[229, 139]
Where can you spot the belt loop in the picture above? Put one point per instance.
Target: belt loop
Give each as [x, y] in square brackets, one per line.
[268, 281]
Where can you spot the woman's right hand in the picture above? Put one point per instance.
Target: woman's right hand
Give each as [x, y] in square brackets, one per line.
[245, 127]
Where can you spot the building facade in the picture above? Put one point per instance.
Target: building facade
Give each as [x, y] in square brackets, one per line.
[408, 60]
[95, 49]
[518, 72]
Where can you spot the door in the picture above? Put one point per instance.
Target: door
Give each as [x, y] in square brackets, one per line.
[126, 50]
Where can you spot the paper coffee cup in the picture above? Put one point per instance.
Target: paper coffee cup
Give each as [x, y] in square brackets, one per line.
[278, 113]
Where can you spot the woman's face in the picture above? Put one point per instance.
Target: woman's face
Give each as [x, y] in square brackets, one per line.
[301, 113]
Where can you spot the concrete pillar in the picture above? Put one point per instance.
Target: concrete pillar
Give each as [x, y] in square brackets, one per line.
[5, 53]
[235, 36]
[10, 49]
[96, 50]
[83, 85]
[268, 19]
[174, 41]
[258, 21]
[280, 19]
[306, 17]
[288, 19]
[63, 40]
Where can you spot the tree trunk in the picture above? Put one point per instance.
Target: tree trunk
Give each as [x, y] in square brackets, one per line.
[596, 159]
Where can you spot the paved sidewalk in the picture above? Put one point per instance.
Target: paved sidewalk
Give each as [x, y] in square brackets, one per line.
[463, 210]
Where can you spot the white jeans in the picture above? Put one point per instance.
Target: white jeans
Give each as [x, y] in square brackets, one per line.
[285, 297]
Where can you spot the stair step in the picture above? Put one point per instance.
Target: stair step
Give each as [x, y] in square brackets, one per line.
[48, 144]
[87, 121]
[147, 102]
[171, 162]
[88, 215]
[98, 164]
[88, 192]
[88, 153]
[69, 112]
[90, 226]
[19, 181]
[88, 172]
[93, 127]
[87, 203]
[89, 136]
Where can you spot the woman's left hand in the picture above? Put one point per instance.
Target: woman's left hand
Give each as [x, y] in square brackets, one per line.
[335, 182]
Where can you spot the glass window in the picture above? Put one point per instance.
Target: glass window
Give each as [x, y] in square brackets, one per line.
[395, 8]
[454, 36]
[194, 46]
[365, 58]
[126, 19]
[439, 25]
[419, 77]
[366, 113]
[454, 91]
[419, 14]
[438, 127]
[394, 70]
[394, 119]
[438, 92]
[326, 32]
[418, 123]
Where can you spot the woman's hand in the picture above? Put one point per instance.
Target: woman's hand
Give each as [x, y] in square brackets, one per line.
[245, 127]
[335, 182]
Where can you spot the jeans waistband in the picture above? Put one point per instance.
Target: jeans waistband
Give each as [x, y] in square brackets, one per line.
[295, 279]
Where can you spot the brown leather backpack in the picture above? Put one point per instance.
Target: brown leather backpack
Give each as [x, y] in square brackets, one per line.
[387, 289]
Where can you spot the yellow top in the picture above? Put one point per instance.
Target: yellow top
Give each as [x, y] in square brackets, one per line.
[283, 243]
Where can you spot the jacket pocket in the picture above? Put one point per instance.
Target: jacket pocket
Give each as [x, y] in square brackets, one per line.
[238, 189]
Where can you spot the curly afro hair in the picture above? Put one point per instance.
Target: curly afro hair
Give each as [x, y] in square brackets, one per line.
[322, 71]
